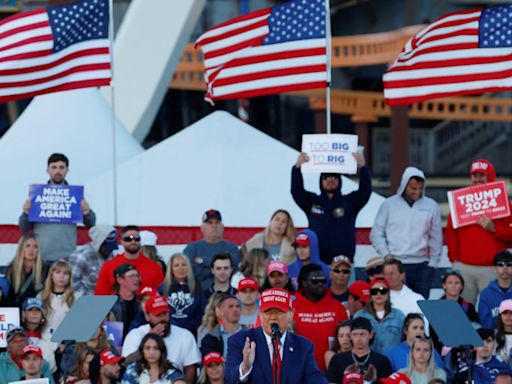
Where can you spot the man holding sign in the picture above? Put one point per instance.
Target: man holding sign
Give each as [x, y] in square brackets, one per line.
[332, 215]
[57, 239]
[471, 248]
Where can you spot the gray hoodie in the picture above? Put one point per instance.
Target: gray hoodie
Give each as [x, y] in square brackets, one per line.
[412, 234]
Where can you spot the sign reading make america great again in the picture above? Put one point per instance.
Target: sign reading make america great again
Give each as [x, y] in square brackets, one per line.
[467, 205]
[55, 203]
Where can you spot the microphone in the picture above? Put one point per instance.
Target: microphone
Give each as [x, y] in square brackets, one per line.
[276, 331]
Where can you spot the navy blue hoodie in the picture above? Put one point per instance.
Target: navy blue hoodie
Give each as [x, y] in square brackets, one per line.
[333, 220]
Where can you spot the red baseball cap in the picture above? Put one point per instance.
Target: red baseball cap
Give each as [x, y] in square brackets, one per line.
[275, 298]
[156, 305]
[353, 377]
[361, 289]
[32, 349]
[147, 291]
[301, 239]
[396, 378]
[212, 357]
[248, 282]
[485, 167]
[108, 357]
[380, 280]
[277, 266]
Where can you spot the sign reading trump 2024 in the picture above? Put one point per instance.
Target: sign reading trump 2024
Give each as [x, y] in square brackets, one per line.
[55, 203]
[467, 205]
[330, 153]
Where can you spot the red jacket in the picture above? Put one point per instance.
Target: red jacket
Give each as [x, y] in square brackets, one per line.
[474, 245]
[150, 271]
[316, 321]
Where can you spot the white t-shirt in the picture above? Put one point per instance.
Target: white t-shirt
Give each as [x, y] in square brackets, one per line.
[181, 345]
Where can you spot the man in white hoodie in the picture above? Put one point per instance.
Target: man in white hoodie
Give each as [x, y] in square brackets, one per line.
[408, 228]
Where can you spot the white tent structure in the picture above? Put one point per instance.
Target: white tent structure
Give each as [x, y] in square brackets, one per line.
[76, 123]
[218, 162]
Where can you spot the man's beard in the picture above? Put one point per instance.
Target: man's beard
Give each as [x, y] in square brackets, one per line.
[167, 329]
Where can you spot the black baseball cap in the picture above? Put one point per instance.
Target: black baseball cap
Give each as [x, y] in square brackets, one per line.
[122, 269]
[212, 214]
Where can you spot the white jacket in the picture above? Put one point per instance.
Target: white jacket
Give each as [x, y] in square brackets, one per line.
[412, 234]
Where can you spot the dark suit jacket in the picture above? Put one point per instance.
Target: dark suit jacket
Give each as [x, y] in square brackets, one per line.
[298, 367]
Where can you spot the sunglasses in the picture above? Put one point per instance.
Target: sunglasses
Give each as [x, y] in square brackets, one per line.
[344, 271]
[378, 291]
[131, 238]
[504, 264]
[318, 280]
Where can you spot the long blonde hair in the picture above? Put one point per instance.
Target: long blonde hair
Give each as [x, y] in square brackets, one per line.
[431, 367]
[169, 277]
[253, 263]
[210, 319]
[16, 275]
[49, 287]
[290, 228]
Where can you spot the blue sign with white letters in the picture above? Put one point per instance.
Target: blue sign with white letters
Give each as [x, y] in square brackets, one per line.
[56, 203]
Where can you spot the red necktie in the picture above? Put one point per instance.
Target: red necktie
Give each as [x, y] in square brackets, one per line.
[276, 363]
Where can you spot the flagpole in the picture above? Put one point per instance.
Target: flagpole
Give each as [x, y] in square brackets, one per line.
[113, 108]
[328, 53]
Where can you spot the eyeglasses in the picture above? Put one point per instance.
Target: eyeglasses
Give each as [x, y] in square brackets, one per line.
[504, 264]
[127, 239]
[378, 291]
[317, 280]
[344, 271]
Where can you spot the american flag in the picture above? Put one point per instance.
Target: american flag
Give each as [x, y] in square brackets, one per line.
[273, 50]
[54, 49]
[466, 52]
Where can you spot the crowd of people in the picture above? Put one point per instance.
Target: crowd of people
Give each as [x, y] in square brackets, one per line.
[284, 307]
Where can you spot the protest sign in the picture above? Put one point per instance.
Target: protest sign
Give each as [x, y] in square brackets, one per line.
[55, 203]
[330, 153]
[467, 205]
[9, 319]
[114, 330]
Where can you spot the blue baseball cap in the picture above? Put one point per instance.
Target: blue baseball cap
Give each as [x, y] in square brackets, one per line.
[110, 243]
[33, 302]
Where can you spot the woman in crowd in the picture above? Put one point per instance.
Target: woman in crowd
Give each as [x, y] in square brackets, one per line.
[151, 366]
[277, 277]
[277, 238]
[184, 293]
[341, 342]
[34, 322]
[414, 326]
[422, 367]
[27, 272]
[80, 372]
[148, 241]
[252, 264]
[97, 343]
[58, 296]
[504, 332]
[386, 322]
[209, 320]
[213, 369]
[453, 285]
